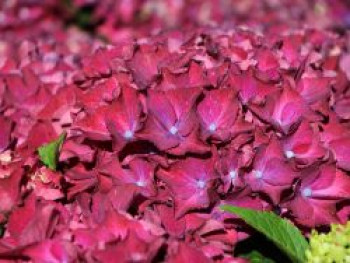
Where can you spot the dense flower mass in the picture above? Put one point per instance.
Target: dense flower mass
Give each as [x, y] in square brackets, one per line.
[248, 105]
[333, 246]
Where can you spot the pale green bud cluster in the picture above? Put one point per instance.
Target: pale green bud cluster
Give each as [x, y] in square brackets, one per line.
[333, 247]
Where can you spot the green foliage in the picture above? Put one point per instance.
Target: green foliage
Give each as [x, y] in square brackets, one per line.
[333, 247]
[280, 231]
[255, 257]
[49, 153]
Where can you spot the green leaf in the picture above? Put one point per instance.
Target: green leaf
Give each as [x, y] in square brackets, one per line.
[281, 232]
[49, 153]
[256, 257]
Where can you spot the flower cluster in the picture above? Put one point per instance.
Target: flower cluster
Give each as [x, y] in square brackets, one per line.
[127, 19]
[163, 130]
[331, 247]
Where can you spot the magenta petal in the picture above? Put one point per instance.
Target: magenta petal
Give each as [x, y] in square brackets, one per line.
[199, 200]
[288, 109]
[71, 149]
[171, 124]
[313, 89]
[155, 132]
[229, 168]
[59, 104]
[330, 183]
[304, 145]
[249, 87]
[10, 187]
[80, 180]
[161, 108]
[174, 109]
[186, 252]
[189, 181]
[313, 212]
[183, 101]
[5, 132]
[191, 144]
[93, 125]
[18, 89]
[277, 173]
[271, 174]
[341, 150]
[104, 92]
[342, 108]
[218, 113]
[54, 251]
[34, 224]
[132, 249]
[144, 64]
[124, 116]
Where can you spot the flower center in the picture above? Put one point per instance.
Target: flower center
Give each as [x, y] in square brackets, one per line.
[173, 130]
[258, 174]
[128, 134]
[140, 183]
[200, 184]
[212, 127]
[289, 154]
[232, 174]
[307, 192]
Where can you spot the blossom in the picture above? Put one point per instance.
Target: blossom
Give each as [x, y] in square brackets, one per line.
[124, 117]
[80, 179]
[101, 94]
[190, 181]
[144, 64]
[271, 173]
[171, 124]
[304, 145]
[93, 125]
[137, 178]
[194, 77]
[249, 87]
[284, 109]
[313, 87]
[35, 223]
[52, 250]
[10, 182]
[217, 113]
[185, 252]
[171, 108]
[315, 200]
[268, 65]
[340, 149]
[230, 169]
[178, 227]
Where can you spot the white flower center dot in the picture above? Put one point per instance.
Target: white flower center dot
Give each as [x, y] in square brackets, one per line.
[307, 192]
[200, 184]
[128, 134]
[233, 174]
[173, 130]
[140, 183]
[212, 127]
[258, 174]
[289, 154]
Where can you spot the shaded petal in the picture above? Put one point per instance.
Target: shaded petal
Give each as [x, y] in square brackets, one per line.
[218, 112]
[341, 150]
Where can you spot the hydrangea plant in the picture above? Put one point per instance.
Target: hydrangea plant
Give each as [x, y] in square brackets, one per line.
[180, 108]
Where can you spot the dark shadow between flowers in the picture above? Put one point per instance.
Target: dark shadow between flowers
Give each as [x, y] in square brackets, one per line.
[137, 147]
[259, 243]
